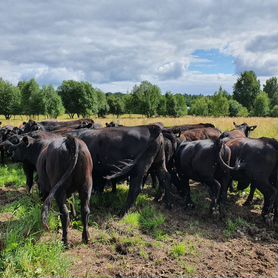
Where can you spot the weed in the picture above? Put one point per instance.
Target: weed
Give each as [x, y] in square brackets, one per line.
[183, 249]
[151, 220]
[12, 174]
[132, 219]
[233, 225]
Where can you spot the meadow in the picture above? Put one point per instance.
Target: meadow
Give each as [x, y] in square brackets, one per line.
[150, 240]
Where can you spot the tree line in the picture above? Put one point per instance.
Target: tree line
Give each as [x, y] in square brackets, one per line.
[82, 99]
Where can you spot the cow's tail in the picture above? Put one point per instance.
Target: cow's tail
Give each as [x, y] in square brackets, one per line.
[224, 165]
[73, 148]
[124, 166]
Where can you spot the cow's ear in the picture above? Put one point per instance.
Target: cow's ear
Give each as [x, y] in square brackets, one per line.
[24, 123]
[252, 127]
[106, 124]
[235, 124]
[25, 140]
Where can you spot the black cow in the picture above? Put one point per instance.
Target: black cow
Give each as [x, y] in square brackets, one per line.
[119, 152]
[241, 131]
[53, 125]
[199, 160]
[29, 160]
[64, 166]
[257, 163]
[112, 124]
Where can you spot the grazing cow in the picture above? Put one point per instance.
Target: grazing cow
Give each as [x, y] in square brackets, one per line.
[64, 166]
[257, 163]
[130, 151]
[200, 134]
[199, 160]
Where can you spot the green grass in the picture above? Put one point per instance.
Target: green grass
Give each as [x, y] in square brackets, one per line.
[12, 174]
[233, 225]
[24, 255]
[183, 249]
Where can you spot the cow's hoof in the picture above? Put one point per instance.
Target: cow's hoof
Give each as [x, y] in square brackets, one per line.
[190, 205]
[215, 212]
[269, 219]
[247, 203]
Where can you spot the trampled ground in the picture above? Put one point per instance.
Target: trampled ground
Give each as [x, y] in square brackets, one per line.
[152, 241]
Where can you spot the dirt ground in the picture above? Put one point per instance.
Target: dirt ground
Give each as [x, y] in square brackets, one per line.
[213, 249]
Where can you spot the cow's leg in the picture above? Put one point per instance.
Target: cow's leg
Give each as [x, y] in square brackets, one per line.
[72, 207]
[29, 173]
[164, 179]
[214, 190]
[232, 186]
[2, 156]
[251, 195]
[114, 187]
[134, 190]
[270, 195]
[85, 194]
[155, 179]
[64, 215]
[185, 191]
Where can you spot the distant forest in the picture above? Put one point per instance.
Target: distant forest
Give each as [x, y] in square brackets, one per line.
[82, 99]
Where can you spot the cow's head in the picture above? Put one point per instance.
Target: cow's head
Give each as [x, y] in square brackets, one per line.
[245, 128]
[31, 126]
[21, 150]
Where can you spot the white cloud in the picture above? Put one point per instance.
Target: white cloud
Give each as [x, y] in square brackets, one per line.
[119, 43]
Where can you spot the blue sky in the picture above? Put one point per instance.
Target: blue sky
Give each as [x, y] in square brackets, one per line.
[190, 46]
[212, 61]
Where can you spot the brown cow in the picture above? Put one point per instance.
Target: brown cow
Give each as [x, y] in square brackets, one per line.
[200, 134]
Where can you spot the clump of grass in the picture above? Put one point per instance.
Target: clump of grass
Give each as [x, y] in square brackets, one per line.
[178, 250]
[233, 225]
[23, 254]
[151, 220]
[183, 249]
[132, 219]
[12, 174]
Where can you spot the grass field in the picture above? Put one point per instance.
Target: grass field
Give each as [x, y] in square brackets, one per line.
[149, 241]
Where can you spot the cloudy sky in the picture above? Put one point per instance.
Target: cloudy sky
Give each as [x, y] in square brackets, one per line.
[190, 46]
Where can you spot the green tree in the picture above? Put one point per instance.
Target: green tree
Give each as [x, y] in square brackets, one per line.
[162, 106]
[274, 111]
[30, 94]
[78, 98]
[145, 98]
[220, 103]
[236, 109]
[181, 107]
[53, 105]
[200, 107]
[246, 89]
[261, 105]
[116, 104]
[9, 99]
[171, 104]
[102, 105]
[271, 86]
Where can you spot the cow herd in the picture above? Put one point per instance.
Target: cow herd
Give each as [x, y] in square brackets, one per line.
[81, 156]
